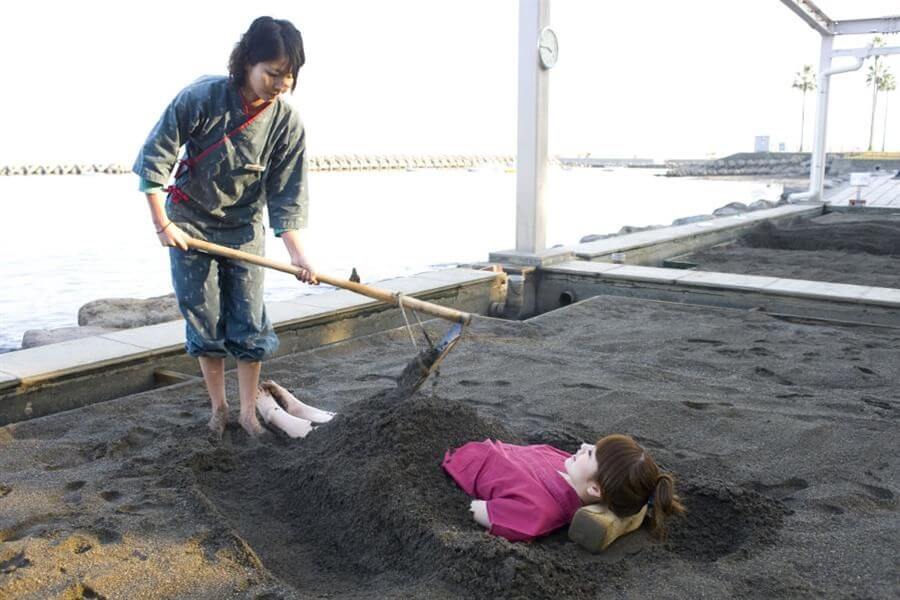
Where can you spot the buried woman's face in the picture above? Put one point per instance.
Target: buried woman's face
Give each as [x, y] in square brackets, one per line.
[582, 468]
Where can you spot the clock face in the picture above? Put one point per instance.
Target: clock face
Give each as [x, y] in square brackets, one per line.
[548, 48]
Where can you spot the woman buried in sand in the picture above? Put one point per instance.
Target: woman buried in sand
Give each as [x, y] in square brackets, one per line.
[244, 149]
[524, 492]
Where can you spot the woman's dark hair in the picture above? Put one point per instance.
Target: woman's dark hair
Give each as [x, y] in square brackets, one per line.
[267, 39]
[629, 477]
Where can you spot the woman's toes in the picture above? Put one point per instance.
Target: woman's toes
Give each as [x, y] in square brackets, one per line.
[321, 416]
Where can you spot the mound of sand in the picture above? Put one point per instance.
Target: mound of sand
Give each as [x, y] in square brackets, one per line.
[836, 248]
[368, 494]
[877, 237]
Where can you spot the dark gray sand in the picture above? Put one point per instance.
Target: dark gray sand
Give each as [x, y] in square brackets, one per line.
[783, 435]
[837, 248]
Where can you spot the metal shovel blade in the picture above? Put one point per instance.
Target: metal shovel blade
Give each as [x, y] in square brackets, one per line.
[427, 361]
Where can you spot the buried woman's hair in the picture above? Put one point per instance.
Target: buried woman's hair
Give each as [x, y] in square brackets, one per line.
[629, 478]
[267, 39]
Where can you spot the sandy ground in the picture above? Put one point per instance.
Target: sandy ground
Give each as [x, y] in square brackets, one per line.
[783, 436]
[838, 248]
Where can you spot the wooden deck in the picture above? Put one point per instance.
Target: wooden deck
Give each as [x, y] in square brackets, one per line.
[884, 192]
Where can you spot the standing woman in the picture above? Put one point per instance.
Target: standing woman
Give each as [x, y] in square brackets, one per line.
[245, 149]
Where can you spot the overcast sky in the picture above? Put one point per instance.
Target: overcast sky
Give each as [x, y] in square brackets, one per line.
[87, 80]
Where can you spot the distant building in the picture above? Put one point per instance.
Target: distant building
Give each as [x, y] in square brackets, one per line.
[761, 143]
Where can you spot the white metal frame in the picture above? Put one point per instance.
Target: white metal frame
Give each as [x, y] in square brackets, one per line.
[828, 29]
[531, 173]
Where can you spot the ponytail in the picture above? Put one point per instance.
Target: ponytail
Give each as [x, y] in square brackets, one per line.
[630, 479]
[664, 502]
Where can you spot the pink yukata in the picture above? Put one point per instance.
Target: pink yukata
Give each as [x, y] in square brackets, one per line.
[525, 494]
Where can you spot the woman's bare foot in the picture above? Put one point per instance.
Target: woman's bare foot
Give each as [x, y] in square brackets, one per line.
[218, 420]
[273, 414]
[294, 407]
[251, 425]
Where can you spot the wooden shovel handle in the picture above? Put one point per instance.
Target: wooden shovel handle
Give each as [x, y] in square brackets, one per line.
[394, 298]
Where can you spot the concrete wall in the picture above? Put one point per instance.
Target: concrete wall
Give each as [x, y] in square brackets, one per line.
[108, 379]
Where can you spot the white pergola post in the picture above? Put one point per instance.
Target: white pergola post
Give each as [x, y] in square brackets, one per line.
[828, 29]
[534, 15]
[817, 164]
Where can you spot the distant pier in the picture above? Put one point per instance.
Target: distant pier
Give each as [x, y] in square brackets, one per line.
[593, 162]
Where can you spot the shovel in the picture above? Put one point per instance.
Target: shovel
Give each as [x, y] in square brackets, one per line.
[424, 364]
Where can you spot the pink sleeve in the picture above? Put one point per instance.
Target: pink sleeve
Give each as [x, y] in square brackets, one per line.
[518, 519]
[465, 463]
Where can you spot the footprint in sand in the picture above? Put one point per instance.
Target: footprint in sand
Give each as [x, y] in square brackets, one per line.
[649, 442]
[782, 489]
[793, 395]
[73, 486]
[730, 352]
[865, 370]
[832, 509]
[705, 341]
[469, 383]
[585, 386]
[876, 492]
[14, 562]
[697, 405]
[111, 495]
[867, 399]
[77, 544]
[4, 490]
[105, 532]
[764, 372]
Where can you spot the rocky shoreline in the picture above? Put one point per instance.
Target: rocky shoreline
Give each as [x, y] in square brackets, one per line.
[774, 165]
[779, 165]
[732, 208]
[106, 315]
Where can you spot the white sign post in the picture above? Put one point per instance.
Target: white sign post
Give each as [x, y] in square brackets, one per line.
[859, 180]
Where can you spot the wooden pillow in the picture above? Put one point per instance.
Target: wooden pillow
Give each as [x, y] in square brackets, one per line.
[595, 527]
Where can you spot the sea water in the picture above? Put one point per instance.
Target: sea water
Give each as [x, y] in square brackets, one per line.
[67, 240]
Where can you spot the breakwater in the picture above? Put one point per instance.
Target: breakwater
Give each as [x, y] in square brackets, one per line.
[783, 164]
[760, 163]
[333, 162]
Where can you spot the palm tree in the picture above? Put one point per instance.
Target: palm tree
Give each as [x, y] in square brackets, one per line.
[873, 78]
[888, 84]
[805, 81]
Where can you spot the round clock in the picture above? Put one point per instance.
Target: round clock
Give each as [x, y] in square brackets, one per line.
[548, 48]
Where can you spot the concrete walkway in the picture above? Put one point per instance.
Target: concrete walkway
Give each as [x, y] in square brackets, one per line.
[46, 379]
[576, 280]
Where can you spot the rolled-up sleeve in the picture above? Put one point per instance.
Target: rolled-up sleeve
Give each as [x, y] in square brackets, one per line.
[160, 152]
[287, 198]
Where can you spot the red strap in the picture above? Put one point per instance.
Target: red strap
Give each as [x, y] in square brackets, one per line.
[177, 193]
[196, 159]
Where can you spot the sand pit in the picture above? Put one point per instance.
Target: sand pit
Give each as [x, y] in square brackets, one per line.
[783, 435]
[838, 248]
